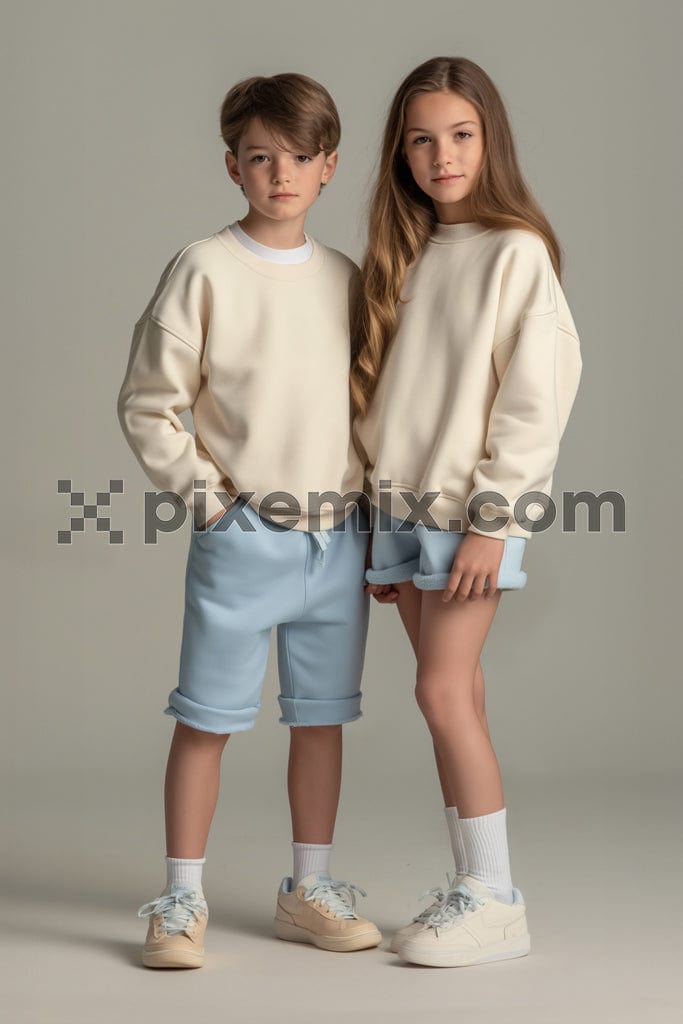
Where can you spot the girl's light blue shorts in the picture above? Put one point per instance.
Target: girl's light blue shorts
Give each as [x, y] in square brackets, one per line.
[239, 583]
[405, 551]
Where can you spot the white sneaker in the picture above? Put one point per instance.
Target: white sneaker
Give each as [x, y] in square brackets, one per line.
[469, 927]
[420, 920]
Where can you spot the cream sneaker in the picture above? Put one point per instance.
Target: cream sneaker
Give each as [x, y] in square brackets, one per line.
[321, 911]
[469, 927]
[177, 922]
[420, 920]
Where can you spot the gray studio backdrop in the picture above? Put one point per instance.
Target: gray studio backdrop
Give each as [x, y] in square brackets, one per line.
[112, 162]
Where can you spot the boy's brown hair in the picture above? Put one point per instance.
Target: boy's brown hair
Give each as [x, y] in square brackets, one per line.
[296, 109]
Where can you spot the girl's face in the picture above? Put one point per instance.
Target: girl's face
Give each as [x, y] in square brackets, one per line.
[443, 144]
[279, 183]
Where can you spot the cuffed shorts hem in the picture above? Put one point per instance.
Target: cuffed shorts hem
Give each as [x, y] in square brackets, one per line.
[217, 720]
[305, 711]
[439, 581]
[394, 574]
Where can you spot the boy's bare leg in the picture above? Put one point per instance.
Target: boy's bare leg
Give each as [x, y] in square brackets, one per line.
[314, 781]
[191, 789]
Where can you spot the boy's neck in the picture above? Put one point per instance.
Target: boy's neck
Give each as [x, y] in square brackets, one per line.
[285, 234]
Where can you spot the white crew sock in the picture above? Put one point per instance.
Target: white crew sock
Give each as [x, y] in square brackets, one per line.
[189, 872]
[457, 844]
[486, 850]
[309, 857]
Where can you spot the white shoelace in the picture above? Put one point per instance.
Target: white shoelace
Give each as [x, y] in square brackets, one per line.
[439, 895]
[177, 909]
[458, 901]
[338, 896]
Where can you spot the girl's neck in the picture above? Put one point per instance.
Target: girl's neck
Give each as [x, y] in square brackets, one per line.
[454, 213]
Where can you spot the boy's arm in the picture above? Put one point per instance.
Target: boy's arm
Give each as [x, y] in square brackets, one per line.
[162, 379]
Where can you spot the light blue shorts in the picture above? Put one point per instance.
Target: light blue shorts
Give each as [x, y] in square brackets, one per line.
[425, 555]
[239, 583]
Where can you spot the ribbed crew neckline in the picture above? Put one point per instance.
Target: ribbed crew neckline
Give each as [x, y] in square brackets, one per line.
[445, 233]
[298, 254]
[279, 271]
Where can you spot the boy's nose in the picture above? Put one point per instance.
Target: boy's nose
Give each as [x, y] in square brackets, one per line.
[280, 175]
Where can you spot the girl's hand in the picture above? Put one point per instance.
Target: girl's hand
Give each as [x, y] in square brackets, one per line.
[385, 593]
[477, 558]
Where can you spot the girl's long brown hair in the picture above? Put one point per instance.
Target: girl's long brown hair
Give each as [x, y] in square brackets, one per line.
[402, 217]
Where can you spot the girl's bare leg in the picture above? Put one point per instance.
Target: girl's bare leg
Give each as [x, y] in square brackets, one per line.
[410, 609]
[314, 781]
[191, 789]
[451, 637]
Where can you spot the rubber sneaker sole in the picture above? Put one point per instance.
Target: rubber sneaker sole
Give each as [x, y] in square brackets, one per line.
[173, 958]
[507, 949]
[334, 943]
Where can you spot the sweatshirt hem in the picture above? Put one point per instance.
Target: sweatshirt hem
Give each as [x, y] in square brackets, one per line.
[446, 511]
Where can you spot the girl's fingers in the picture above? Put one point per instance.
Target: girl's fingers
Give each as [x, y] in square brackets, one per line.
[465, 587]
[451, 586]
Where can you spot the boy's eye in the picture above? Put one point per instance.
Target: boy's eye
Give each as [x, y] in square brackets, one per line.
[258, 158]
[304, 158]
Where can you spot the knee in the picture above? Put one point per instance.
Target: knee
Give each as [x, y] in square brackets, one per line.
[443, 697]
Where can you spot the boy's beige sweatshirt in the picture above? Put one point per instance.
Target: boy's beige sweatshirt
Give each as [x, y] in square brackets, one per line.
[477, 384]
[259, 352]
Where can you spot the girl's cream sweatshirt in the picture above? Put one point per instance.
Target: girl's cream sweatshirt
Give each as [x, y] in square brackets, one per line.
[476, 387]
[259, 351]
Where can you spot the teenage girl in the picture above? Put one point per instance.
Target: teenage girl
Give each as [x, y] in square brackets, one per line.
[465, 369]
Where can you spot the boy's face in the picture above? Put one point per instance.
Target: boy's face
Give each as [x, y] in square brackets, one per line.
[281, 184]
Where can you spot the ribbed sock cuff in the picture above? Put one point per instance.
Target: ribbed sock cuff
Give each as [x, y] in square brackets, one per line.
[187, 871]
[486, 850]
[310, 857]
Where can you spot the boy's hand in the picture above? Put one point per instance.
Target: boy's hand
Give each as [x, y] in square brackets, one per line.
[213, 519]
[477, 558]
[216, 517]
[385, 593]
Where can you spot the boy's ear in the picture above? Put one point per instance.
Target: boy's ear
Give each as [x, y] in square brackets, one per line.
[231, 164]
[329, 166]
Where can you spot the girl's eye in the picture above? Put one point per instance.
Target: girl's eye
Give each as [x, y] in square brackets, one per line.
[422, 138]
